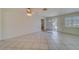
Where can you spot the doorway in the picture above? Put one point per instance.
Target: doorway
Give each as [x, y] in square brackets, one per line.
[42, 25]
[51, 24]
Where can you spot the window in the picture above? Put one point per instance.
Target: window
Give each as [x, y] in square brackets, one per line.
[71, 21]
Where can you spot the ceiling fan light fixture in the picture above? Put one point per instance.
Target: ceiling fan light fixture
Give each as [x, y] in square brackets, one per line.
[29, 12]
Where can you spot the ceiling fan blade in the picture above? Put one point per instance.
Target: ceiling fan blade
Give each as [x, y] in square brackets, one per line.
[44, 9]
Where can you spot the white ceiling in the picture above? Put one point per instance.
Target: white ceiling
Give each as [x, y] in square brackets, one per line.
[56, 11]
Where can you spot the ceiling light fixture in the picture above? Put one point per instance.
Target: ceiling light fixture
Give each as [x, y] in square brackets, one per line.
[29, 12]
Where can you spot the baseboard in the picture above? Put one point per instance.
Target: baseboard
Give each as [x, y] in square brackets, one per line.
[69, 33]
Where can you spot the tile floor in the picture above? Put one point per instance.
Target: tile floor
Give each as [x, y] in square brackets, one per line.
[42, 41]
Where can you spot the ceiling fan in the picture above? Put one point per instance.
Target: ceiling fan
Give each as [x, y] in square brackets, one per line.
[29, 11]
[44, 9]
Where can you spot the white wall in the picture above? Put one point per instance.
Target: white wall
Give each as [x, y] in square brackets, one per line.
[0, 25]
[17, 23]
[60, 23]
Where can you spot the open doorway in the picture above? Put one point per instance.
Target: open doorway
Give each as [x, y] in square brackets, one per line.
[51, 24]
[42, 25]
[54, 24]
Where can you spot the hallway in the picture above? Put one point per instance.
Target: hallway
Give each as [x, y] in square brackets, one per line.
[42, 41]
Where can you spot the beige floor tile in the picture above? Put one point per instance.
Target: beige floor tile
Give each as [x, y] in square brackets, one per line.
[42, 41]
